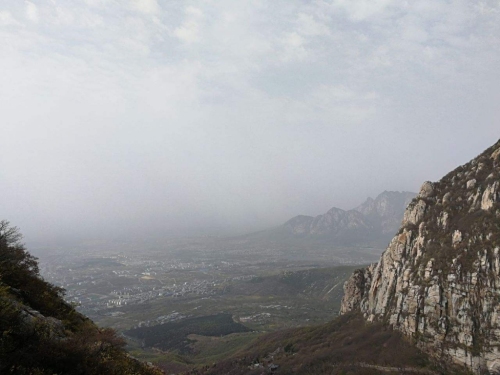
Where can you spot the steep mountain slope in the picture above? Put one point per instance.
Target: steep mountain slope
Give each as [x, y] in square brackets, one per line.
[439, 279]
[374, 220]
[40, 333]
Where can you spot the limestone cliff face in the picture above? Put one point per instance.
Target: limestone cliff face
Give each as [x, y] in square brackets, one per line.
[439, 279]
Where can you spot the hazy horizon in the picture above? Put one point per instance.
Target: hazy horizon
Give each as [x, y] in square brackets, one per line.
[151, 118]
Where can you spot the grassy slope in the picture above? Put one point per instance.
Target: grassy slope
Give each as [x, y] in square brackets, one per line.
[347, 345]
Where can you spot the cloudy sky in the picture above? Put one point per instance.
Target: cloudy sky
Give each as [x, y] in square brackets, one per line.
[125, 117]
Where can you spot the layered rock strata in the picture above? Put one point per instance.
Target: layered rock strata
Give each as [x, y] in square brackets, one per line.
[439, 279]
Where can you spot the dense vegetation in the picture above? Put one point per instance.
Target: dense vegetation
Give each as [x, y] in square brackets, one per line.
[40, 333]
[174, 336]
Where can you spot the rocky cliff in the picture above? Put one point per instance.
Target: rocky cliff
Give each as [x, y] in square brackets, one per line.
[439, 279]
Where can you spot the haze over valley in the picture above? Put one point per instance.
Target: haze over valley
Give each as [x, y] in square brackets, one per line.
[249, 187]
[150, 119]
[267, 281]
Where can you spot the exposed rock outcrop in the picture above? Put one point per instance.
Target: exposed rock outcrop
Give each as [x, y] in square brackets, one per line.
[439, 279]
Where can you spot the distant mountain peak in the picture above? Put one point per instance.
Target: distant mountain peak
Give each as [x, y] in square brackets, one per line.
[386, 209]
[372, 220]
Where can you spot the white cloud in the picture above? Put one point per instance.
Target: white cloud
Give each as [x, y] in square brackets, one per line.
[308, 25]
[293, 47]
[344, 103]
[189, 31]
[361, 10]
[98, 3]
[146, 6]
[485, 7]
[6, 19]
[65, 16]
[414, 30]
[31, 11]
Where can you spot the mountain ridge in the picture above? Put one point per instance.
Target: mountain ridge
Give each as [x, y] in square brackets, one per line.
[375, 220]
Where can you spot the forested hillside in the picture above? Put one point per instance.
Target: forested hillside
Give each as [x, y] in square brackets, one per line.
[41, 333]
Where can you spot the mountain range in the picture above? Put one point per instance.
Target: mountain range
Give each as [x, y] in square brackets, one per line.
[373, 222]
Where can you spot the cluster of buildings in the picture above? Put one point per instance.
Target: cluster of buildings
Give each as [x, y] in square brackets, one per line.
[97, 284]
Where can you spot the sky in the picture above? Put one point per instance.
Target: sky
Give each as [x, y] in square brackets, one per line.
[149, 117]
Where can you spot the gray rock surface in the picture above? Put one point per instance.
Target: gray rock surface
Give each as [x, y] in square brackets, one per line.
[439, 279]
